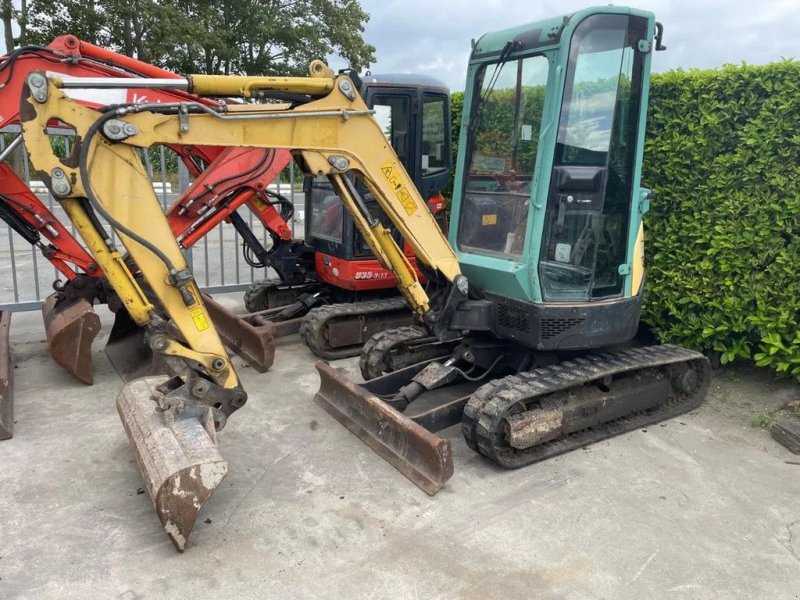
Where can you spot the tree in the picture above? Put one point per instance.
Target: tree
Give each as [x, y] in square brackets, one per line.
[9, 14]
[221, 36]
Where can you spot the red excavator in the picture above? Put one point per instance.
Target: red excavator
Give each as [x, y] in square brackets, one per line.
[416, 114]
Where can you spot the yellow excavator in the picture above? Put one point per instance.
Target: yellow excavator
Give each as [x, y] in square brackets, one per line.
[172, 422]
[544, 262]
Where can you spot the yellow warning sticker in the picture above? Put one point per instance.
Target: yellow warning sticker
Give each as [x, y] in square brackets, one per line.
[489, 220]
[392, 176]
[407, 201]
[395, 180]
[258, 203]
[199, 318]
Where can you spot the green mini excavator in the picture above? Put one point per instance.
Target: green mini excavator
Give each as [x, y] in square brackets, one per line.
[529, 346]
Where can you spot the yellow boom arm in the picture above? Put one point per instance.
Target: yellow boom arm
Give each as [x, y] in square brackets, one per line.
[331, 135]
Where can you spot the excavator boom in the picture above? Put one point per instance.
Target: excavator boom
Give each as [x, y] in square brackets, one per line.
[334, 134]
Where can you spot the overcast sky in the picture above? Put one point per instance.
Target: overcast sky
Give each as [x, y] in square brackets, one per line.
[433, 36]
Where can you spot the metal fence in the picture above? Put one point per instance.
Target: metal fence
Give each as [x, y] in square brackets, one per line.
[26, 277]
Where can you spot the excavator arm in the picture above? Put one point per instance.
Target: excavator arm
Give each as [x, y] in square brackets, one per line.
[329, 131]
[137, 217]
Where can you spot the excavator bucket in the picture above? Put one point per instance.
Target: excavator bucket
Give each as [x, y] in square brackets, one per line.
[6, 378]
[420, 455]
[177, 456]
[71, 327]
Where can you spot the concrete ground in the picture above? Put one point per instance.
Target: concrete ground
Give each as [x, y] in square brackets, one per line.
[705, 506]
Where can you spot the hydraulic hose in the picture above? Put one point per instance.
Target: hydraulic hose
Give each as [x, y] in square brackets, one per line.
[87, 186]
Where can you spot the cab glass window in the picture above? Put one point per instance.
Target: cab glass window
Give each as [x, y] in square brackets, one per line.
[434, 142]
[588, 212]
[503, 137]
[327, 211]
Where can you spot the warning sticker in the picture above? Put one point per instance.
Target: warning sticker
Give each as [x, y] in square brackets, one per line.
[489, 220]
[199, 318]
[395, 180]
[407, 201]
[258, 203]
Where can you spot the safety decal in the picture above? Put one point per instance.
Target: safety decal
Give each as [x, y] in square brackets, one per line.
[199, 318]
[393, 177]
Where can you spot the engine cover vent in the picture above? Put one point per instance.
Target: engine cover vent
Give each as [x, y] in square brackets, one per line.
[513, 318]
[555, 327]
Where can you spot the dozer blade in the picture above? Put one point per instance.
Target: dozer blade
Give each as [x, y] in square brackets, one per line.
[6, 379]
[255, 344]
[177, 456]
[71, 327]
[420, 455]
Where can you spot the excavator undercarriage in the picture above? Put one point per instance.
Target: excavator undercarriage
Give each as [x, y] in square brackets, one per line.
[515, 420]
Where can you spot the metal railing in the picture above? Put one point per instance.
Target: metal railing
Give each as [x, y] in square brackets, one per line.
[26, 277]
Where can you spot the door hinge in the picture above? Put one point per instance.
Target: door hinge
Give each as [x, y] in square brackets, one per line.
[645, 196]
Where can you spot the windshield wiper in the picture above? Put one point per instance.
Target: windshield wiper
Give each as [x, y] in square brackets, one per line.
[498, 68]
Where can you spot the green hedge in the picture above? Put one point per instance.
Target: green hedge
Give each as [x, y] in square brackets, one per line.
[723, 156]
[723, 235]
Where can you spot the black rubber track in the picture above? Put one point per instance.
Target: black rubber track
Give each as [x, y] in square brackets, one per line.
[484, 413]
[312, 331]
[255, 296]
[373, 362]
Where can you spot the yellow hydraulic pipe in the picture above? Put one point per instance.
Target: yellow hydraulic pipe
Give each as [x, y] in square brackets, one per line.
[320, 83]
[242, 85]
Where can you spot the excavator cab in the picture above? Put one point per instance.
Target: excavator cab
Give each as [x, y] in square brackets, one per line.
[548, 206]
[413, 112]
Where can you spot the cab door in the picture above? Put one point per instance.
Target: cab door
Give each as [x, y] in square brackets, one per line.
[593, 183]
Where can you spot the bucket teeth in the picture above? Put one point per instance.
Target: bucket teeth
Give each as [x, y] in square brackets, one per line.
[6, 379]
[420, 455]
[177, 456]
[71, 327]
